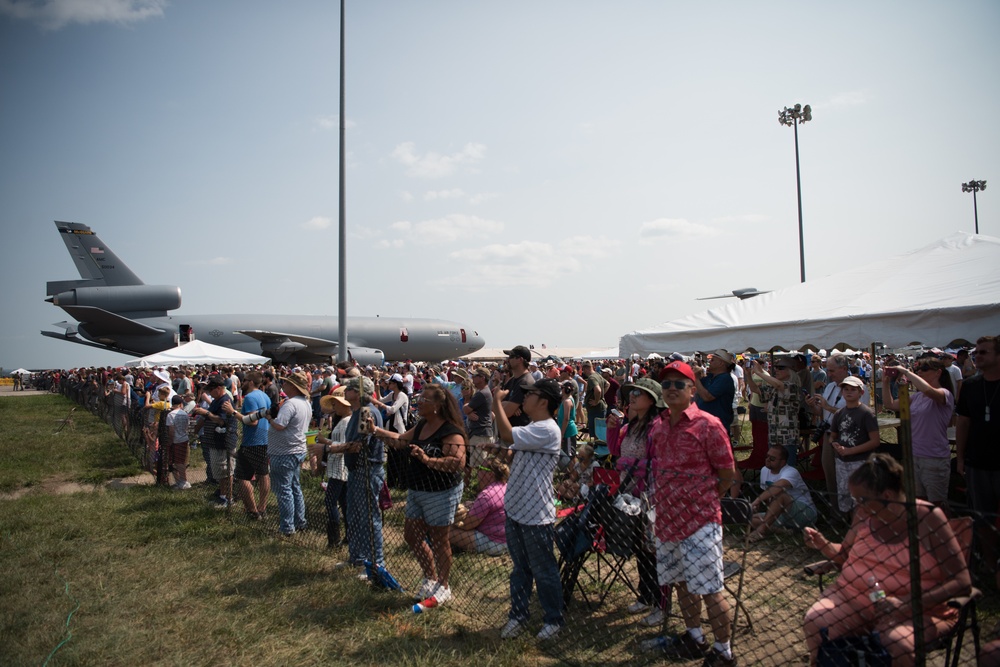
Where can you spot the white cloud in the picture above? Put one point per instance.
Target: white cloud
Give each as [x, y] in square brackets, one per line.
[452, 228]
[385, 244]
[851, 98]
[332, 122]
[317, 224]
[406, 196]
[675, 228]
[477, 199]
[56, 14]
[401, 226]
[526, 263]
[435, 165]
[454, 193]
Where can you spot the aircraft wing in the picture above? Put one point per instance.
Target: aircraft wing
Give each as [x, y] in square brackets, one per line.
[100, 322]
[280, 342]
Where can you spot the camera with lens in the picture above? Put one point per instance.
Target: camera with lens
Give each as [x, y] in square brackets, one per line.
[274, 410]
[820, 431]
[367, 424]
[261, 414]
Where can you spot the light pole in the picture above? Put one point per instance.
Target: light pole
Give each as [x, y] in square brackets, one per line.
[794, 116]
[974, 187]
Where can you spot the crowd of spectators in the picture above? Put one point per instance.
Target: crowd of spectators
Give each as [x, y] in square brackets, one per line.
[505, 438]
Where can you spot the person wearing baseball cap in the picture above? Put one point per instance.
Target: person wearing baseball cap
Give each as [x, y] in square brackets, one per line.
[854, 435]
[716, 388]
[694, 468]
[530, 505]
[520, 381]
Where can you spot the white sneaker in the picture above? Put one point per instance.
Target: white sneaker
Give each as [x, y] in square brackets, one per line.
[512, 629]
[637, 607]
[182, 486]
[548, 631]
[427, 587]
[653, 620]
[441, 595]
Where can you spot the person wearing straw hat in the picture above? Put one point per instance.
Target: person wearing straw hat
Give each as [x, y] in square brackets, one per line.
[286, 447]
[364, 456]
[335, 499]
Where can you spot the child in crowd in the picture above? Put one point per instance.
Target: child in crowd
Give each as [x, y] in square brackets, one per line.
[177, 428]
[580, 478]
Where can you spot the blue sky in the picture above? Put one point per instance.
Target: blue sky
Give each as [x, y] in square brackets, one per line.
[557, 172]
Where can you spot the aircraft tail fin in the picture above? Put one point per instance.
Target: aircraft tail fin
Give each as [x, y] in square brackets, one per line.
[98, 265]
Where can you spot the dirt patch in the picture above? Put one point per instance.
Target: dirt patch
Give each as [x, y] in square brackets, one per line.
[57, 486]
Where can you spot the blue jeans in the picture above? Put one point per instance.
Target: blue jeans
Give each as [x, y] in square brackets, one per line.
[364, 518]
[285, 470]
[531, 551]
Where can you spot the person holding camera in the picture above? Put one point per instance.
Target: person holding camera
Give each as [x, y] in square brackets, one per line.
[780, 393]
[364, 456]
[214, 418]
[434, 483]
[931, 408]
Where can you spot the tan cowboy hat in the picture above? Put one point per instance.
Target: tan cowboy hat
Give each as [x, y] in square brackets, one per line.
[298, 380]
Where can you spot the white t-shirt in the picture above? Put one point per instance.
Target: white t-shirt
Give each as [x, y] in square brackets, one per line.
[956, 375]
[799, 491]
[530, 496]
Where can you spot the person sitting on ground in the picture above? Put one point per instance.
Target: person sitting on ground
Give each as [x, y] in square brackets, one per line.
[785, 496]
[481, 529]
[873, 589]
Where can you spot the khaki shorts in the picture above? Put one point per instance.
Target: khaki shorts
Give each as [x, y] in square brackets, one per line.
[217, 459]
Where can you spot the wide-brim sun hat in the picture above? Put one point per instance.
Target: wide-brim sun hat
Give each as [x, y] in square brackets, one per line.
[651, 387]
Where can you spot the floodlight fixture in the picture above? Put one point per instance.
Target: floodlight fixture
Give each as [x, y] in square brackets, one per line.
[974, 187]
[793, 117]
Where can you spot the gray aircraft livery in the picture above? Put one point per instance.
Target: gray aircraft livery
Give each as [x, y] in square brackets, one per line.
[114, 310]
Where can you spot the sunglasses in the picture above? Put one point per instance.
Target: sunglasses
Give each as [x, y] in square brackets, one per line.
[636, 393]
[675, 384]
[919, 368]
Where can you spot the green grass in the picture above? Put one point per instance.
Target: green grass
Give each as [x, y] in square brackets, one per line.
[84, 451]
[146, 576]
[143, 575]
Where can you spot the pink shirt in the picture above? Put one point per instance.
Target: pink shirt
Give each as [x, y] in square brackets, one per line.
[688, 458]
[489, 506]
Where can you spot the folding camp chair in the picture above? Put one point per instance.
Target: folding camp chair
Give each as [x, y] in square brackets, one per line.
[613, 539]
[968, 619]
[737, 513]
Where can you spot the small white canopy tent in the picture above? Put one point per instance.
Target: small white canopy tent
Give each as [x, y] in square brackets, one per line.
[197, 352]
[944, 293]
[20, 371]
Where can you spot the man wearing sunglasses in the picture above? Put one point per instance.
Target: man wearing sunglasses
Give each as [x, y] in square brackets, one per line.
[692, 469]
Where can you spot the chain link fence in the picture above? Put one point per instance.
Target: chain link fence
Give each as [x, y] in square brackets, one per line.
[595, 572]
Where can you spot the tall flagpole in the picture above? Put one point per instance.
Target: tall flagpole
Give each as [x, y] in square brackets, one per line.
[342, 282]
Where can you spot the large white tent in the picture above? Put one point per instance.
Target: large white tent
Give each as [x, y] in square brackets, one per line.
[197, 352]
[939, 295]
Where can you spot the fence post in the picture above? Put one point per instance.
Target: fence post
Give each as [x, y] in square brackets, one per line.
[910, 487]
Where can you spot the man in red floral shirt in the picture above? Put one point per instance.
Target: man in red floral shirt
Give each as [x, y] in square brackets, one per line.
[693, 468]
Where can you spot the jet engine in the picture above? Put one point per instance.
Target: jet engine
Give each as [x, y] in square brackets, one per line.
[366, 356]
[122, 299]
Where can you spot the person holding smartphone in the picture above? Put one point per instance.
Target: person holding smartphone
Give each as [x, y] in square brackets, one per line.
[781, 394]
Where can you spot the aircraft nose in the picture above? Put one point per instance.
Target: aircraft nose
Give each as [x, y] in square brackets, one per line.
[474, 340]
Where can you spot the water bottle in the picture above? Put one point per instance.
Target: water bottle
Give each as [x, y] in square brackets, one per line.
[875, 591]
